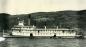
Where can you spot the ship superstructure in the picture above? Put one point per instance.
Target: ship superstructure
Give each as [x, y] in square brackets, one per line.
[21, 30]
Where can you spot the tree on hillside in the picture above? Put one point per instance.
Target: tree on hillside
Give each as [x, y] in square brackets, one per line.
[82, 19]
[4, 23]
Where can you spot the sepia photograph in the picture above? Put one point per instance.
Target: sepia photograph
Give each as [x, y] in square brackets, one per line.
[42, 23]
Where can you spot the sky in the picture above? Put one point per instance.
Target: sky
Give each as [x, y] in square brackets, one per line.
[30, 6]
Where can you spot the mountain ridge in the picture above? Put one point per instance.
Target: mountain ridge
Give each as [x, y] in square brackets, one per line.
[64, 19]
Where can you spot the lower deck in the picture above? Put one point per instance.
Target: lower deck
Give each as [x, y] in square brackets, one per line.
[44, 33]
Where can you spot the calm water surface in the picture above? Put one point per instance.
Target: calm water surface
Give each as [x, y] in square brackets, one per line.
[26, 42]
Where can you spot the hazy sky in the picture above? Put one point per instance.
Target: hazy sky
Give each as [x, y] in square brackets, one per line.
[30, 6]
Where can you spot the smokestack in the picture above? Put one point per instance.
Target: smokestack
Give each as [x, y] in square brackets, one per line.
[29, 17]
[45, 23]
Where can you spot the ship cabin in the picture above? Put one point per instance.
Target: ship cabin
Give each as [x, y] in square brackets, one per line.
[21, 30]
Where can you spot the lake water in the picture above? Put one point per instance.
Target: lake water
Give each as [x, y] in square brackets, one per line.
[26, 42]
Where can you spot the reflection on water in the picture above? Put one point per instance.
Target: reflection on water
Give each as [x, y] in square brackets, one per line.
[26, 42]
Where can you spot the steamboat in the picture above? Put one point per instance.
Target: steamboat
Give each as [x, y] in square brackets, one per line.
[21, 30]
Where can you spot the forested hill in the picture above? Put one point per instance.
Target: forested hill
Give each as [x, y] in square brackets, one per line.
[50, 19]
[65, 19]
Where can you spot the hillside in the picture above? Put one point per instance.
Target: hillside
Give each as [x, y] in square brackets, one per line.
[62, 19]
[66, 19]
